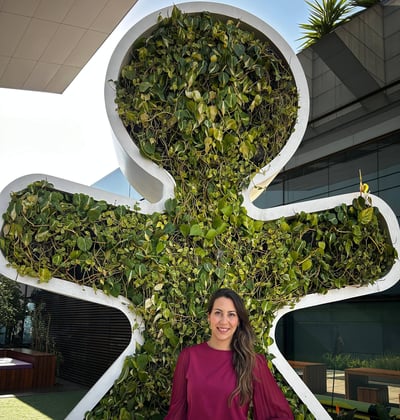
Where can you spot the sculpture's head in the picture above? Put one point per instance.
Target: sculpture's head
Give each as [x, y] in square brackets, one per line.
[207, 97]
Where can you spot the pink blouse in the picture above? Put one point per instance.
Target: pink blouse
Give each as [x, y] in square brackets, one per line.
[204, 379]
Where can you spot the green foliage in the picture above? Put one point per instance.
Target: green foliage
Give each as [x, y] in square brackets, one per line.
[168, 275]
[324, 18]
[200, 88]
[41, 338]
[11, 302]
[346, 360]
[211, 104]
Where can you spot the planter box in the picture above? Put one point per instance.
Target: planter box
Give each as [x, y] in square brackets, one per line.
[373, 394]
[15, 375]
[28, 369]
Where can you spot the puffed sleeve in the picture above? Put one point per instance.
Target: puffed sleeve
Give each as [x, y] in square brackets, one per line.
[178, 405]
[268, 399]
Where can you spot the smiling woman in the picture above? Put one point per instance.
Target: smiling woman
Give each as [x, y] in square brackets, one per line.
[221, 377]
[224, 321]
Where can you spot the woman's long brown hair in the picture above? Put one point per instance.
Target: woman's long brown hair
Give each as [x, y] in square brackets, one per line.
[242, 346]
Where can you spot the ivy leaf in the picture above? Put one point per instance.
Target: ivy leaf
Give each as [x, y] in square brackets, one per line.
[170, 205]
[141, 361]
[95, 211]
[227, 210]
[221, 227]
[306, 265]
[211, 234]
[149, 148]
[140, 269]
[144, 87]
[332, 218]
[230, 140]
[284, 226]
[347, 247]
[196, 230]
[129, 274]
[84, 243]
[185, 230]
[169, 333]
[213, 67]
[239, 49]
[56, 259]
[169, 228]
[44, 275]
[231, 124]
[82, 201]
[223, 78]
[160, 247]
[124, 414]
[42, 235]
[212, 112]
[231, 100]
[220, 272]
[365, 216]
[244, 150]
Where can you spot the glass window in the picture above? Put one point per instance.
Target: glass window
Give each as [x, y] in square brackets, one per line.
[307, 186]
[361, 332]
[388, 155]
[391, 196]
[344, 170]
[272, 197]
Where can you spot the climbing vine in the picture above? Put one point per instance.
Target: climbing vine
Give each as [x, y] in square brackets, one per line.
[201, 92]
[168, 269]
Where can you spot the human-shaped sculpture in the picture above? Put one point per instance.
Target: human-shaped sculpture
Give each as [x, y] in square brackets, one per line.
[215, 108]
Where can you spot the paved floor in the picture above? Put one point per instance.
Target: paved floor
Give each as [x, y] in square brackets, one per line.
[338, 388]
[61, 385]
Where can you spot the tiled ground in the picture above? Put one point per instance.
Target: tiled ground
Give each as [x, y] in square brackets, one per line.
[339, 387]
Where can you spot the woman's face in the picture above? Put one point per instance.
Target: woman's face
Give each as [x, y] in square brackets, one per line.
[223, 320]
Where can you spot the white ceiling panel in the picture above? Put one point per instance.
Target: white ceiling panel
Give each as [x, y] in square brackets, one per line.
[41, 75]
[88, 44]
[109, 16]
[65, 40]
[62, 78]
[16, 72]
[12, 29]
[84, 12]
[20, 7]
[44, 44]
[42, 31]
[53, 10]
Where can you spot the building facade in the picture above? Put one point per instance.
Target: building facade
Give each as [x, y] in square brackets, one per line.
[354, 128]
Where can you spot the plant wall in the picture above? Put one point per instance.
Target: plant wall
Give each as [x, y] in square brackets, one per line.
[211, 103]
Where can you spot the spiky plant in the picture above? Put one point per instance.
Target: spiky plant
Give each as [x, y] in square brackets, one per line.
[324, 18]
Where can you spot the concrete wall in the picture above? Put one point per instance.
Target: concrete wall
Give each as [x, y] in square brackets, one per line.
[353, 76]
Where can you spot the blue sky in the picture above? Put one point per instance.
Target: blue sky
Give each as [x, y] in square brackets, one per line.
[68, 135]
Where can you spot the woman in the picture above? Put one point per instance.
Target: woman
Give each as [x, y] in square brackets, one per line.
[221, 378]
